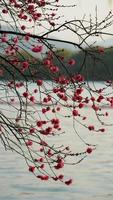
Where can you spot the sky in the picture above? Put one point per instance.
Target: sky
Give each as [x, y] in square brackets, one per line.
[84, 7]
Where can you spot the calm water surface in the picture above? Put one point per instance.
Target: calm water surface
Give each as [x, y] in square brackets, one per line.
[93, 178]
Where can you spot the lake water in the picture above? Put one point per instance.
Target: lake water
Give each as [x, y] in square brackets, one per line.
[93, 177]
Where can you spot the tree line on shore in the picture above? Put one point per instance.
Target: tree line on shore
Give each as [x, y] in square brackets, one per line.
[97, 65]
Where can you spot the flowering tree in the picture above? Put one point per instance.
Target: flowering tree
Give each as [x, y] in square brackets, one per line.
[39, 88]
